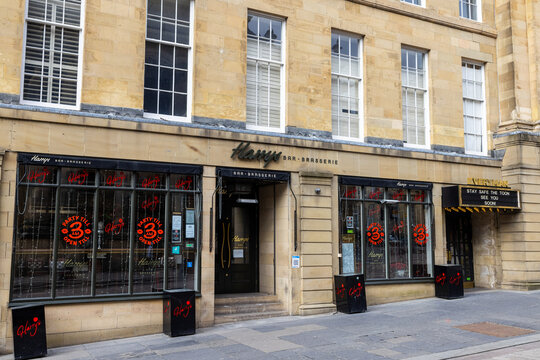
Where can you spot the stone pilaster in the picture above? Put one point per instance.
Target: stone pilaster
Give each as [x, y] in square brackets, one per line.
[316, 243]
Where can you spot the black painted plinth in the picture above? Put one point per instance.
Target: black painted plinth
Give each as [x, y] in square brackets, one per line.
[178, 312]
[448, 281]
[29, 336]
[350, 293]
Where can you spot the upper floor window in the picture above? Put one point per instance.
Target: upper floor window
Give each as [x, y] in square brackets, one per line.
[414, 97]
[265, 72]
[474, 108]
[414, 2]
[470, 9]
[52, 52]
[346, 86]
[167, 64]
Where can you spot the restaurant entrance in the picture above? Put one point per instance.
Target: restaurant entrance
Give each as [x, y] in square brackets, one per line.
[237, 243]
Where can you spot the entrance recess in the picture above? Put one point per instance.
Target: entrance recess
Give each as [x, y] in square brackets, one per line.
[237, 243]
[459, 246]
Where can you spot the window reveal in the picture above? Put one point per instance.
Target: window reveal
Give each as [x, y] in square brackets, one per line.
[385, 232]
[77, 229]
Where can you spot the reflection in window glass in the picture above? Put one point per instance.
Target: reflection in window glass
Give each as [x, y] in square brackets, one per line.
[387, 234]
[75, 243]
[34, 242]
[101, 249]
[113, 230]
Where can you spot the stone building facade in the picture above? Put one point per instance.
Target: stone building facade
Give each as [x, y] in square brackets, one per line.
[256, 147]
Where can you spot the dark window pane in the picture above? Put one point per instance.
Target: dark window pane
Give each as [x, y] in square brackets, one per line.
[150, 180]
[264, 27]
[165, 79]
[421, 242]
[182, 10]
[75, 242]
[149, 239]
[183, 182]
[180, 81]
[397, 241]
[354, 47]
[168, 31]
[375, 244]
[152, 53]
[33, 242]
[37, 174]
[169, 8]
[152, 29]
[182, 34]
[77, 176]
[154, 7]
[181, 58]
[344, 45]
[165, 103]
[166, 55]
[150, 101]
[180, 105]
[115, 178]
[112, 259]
[151, 76]
[335, 43]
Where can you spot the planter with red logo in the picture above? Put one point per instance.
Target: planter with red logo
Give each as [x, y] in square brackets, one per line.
[448, 281]
[350, 293]
[178, 312]
[29, 337]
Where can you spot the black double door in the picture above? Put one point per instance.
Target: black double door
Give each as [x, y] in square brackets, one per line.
[237, 252]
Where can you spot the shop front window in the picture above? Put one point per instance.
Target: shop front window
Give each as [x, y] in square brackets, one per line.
[385, 230]
[90, 232]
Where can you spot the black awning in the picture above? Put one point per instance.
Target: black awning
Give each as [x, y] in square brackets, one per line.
[264, 175]
[404, 184]
[463, 198]
[110, 164]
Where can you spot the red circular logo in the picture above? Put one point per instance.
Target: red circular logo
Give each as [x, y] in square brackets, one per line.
[375, 233]
[149, 231]
[76, 230]
[420, 234]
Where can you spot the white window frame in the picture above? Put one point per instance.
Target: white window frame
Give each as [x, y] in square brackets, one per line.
[81, 30]
[282, 111]
[478, 10]
[411, 2]
[483, 108]
[189, 95]
[360, 90]
[427, 121]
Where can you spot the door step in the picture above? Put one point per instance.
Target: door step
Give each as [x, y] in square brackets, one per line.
[242, 307]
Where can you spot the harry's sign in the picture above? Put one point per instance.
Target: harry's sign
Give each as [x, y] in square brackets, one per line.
[244, 152]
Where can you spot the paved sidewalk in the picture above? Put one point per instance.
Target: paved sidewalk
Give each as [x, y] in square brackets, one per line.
[483, 325]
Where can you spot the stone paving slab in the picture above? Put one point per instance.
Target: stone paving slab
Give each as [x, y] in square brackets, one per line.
[423, 329]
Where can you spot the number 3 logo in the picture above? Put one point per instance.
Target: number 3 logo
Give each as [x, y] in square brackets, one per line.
[375, 233]
[420, 234]
[149, 231]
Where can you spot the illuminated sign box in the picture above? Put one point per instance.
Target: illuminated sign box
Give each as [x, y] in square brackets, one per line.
[480, 197]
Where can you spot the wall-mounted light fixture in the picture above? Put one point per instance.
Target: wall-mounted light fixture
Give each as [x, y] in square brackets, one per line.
[318, 191]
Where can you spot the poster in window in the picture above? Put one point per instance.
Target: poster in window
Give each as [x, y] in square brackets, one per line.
[190, 231]
[190, 216]
[348, 257]
[176, 228]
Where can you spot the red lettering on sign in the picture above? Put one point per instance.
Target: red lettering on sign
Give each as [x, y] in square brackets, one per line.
[399, 195]
[184, 184]
[38, 176]
[375, 195]
[151, 182]
[79, 177]
[150, 203]
[356, 290]
[398, 227]
[440, 279]
[351, 194]
[150, 231]
[419, 197]
[115, 228]
[340, 292]
[375, 233]
[116, 180]
[420, 234]
[455, 280]
[29, 329]
[183, 310]
[76, 230]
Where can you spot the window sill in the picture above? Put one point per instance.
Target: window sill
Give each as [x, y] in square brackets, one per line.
[399, 281]
[89, 300]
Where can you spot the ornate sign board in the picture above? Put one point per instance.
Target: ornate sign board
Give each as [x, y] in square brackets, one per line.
[480, 197]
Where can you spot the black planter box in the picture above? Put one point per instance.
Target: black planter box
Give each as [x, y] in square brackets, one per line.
[448, 281]
[178, 312]
[29, 336]
[350, 293]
